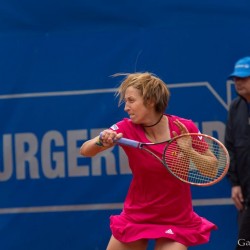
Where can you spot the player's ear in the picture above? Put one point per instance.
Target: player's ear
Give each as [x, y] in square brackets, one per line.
[150, 104]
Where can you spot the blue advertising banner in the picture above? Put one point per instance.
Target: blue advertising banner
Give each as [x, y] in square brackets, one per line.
[56, 92]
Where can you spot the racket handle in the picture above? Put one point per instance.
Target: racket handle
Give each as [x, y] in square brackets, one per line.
[126, 142]
[129, 142]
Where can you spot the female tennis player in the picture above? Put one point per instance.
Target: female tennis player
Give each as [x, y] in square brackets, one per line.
[157, 206]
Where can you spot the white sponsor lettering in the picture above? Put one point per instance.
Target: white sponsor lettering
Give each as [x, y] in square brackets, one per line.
[56, 155]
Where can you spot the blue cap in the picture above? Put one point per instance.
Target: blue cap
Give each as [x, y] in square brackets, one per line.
[241, 68]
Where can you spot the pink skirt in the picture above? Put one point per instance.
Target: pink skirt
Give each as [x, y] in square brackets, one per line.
[125, 230]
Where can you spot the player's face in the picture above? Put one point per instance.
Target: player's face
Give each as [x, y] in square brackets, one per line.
[242, 86]
[135, 107]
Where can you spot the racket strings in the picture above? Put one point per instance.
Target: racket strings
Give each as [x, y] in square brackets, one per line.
[196, 167]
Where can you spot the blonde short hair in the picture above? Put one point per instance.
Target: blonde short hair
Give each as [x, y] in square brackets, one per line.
[151, 88]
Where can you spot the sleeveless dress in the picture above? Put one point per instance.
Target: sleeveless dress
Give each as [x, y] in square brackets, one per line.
[157, 204]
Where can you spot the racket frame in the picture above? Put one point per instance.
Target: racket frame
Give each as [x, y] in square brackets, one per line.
[143, 145]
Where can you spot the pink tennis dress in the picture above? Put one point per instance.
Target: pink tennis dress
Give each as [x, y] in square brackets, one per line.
[157, 204]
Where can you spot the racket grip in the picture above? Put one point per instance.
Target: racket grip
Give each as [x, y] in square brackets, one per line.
[129, 142]
[126, 142]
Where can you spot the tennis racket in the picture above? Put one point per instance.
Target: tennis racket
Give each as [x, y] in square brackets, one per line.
[194, 158]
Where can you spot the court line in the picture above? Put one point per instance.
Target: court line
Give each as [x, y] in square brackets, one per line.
[101, 206]
[111, 90]
[58, 93]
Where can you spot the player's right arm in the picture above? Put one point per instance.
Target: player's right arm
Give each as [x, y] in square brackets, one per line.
[99, 143]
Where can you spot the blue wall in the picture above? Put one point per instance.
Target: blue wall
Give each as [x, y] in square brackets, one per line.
[56, 59]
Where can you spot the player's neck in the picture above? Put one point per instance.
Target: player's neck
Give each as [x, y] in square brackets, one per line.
[158, 133]
[155, 123]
